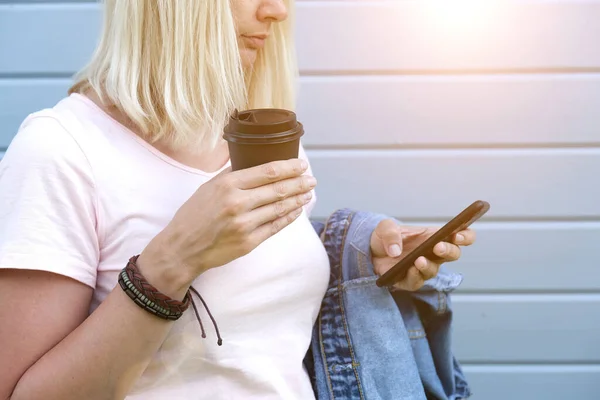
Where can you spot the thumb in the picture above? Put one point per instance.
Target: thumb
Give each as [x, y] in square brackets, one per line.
[386, 240]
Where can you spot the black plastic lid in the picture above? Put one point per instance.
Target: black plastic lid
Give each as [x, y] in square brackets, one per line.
[262, 121]
[263, 125]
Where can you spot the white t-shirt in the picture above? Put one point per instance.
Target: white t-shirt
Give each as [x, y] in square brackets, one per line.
[80, 194]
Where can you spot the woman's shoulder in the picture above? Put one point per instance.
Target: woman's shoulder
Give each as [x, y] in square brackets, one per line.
[41, 138]
[48, 201]
[60, 133]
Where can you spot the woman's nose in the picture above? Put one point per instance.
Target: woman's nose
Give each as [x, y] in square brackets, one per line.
[273, 10]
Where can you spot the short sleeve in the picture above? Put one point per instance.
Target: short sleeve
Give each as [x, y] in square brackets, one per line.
[47, 203]
[311, 205]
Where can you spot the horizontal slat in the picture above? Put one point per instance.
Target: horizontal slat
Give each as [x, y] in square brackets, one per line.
[384, 36]
[531, 257]
[413, 111]
[448, 35]
[527, 328]
[14, 2]
[509, 110]
[540, 184]
[47, 38]
[537, 382]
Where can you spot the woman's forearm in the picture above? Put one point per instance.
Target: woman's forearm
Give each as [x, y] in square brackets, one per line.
[103, 357]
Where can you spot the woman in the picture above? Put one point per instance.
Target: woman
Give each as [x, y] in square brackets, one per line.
[132, 162]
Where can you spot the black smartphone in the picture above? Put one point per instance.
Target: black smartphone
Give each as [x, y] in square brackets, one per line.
[457, 224]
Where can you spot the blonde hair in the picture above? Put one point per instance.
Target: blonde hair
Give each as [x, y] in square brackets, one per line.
[173, 67]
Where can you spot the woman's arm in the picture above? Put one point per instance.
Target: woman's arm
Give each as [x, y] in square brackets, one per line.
[51, 351]
[49, 251]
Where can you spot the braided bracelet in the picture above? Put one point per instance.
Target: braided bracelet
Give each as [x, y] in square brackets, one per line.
[147, 296]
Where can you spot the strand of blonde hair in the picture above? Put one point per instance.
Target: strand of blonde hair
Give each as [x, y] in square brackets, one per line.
[174, 68]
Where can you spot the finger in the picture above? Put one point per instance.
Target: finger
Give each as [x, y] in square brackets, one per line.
[465, 237]
[280, 190]
[447, 251]
[386, 239]
[273, 211]
[410, 231]
[412, 282]
[427, 268]
[270, 228]
[270, 172]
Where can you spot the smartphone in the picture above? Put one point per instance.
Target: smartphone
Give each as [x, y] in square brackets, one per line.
[457, 224]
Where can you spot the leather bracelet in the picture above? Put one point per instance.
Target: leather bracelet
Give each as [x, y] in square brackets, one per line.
[147, 296]
[150, 299]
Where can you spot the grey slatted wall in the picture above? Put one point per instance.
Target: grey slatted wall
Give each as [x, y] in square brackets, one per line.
[415, 109]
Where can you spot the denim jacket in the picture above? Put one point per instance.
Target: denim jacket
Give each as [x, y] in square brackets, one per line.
[369, 343]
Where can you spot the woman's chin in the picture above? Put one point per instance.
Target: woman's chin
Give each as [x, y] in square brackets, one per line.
[248, 57]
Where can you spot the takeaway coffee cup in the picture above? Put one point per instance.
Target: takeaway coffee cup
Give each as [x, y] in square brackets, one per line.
[263, 135]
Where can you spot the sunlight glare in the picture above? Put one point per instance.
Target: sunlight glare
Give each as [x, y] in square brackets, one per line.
[460, 17]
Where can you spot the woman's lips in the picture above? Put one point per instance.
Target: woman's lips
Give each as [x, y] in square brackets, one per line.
[257, 41]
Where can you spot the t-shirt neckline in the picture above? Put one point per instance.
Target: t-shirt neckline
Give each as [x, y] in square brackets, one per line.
[157, 153]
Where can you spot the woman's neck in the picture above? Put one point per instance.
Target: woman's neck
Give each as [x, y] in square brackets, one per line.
[205, 160]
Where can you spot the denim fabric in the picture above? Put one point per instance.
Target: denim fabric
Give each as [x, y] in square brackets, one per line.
[370, 344]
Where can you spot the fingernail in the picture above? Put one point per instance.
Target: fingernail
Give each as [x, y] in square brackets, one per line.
[460, 238]
[308, 196]
[395, 250]
[312, 181]
[303, 165]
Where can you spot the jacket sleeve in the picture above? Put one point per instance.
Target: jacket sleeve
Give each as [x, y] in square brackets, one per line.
[318, 226]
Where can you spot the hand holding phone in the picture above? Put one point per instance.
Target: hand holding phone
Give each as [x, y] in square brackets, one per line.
[461, 222]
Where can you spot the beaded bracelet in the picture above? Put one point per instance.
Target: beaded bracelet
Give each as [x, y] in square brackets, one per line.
[147, 296]
[152, 300]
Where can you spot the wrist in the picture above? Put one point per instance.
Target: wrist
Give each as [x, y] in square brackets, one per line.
[162, 269]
